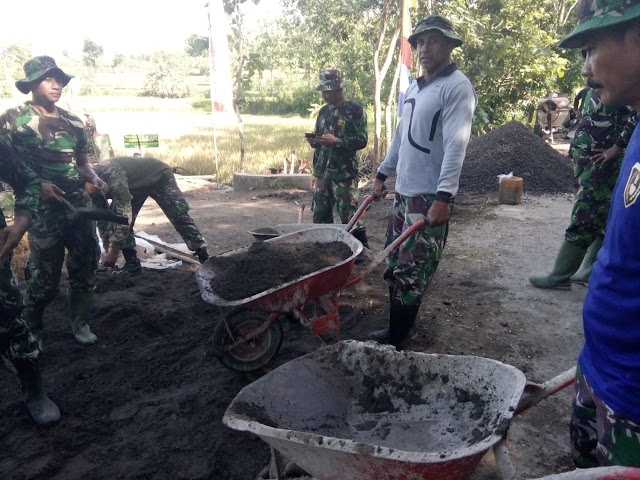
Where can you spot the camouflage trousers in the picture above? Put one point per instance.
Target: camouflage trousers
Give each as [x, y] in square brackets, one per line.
[171, 200]
[411, 267]
[600, 437]
[591, 205]
[342, 195]
[54, 230]
[16, 340]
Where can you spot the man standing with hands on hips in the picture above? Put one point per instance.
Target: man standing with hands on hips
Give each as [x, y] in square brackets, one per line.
[426, 155]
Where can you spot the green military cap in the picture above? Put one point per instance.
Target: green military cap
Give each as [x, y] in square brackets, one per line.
[330, 79]
[37, 68]
[597, 14]
[434, 22]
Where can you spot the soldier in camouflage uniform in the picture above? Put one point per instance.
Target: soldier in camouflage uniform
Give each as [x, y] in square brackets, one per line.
[18, 347]
[597, 151]
[53, 143]
[426, 155]
[340, 131]
[131, 181]
[605, 424]
[93, 150]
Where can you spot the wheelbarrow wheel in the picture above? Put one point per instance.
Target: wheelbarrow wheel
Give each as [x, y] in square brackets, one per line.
[256, 352]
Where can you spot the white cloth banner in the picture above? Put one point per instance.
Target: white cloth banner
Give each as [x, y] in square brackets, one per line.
[219, 59]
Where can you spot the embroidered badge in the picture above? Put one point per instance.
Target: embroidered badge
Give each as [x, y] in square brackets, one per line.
[632, 189]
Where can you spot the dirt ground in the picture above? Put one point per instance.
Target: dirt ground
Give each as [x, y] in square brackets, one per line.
[146, 401]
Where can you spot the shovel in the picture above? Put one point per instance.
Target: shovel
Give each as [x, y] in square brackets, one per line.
[94, 213]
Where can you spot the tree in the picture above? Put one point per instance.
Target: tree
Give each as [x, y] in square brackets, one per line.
[167, 79]
[197, 45]
[91, 53]
[117, 60]
[380, 74]
[13, 57]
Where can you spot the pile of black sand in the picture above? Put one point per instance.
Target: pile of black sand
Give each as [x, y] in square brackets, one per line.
[265, 265]
[514, 148]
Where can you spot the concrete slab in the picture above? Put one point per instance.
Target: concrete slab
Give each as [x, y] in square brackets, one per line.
[243, 182]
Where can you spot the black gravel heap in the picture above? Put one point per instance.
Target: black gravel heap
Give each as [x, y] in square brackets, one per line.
[514, 148]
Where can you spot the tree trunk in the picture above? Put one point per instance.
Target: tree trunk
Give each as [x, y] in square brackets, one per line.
[238, 93]
[379, 75]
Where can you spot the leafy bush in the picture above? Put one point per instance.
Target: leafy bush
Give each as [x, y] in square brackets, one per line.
[296, 102]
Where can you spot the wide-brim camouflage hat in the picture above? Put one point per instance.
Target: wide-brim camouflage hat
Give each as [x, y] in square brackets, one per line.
[434, 22]
[330, 79]
[37, 68]
[597, 14]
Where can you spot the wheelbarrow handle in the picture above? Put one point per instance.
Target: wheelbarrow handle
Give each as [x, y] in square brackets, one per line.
[534, 392]
[360, 211]
[419, 221]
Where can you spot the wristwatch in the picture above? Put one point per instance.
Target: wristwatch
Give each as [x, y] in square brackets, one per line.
[338, 142]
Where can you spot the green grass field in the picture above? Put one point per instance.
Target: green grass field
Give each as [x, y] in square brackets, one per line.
[186, 136]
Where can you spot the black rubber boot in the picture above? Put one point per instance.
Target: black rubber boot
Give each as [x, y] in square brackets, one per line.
[361, 235]
[382, 336]
[42, 409]
[402, 321]
[202, 254]
[131, 263]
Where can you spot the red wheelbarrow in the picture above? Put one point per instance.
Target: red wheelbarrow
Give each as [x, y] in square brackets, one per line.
[250, 334]
[356, 411]
[265, 233]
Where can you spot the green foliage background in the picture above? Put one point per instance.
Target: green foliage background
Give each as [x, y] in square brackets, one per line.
[509, 54]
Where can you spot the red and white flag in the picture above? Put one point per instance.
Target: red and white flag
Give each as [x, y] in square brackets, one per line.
[406, 55]
[220, 62]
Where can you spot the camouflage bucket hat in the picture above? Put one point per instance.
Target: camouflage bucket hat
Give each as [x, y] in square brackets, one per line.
[434, 22]
[37, 68]
[330, 80]
[597, 14]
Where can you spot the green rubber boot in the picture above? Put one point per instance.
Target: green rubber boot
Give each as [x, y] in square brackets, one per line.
[80, 311]
[581, 277]
[567, 263]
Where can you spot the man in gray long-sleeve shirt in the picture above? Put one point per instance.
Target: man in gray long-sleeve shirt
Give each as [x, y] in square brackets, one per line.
[426, 154]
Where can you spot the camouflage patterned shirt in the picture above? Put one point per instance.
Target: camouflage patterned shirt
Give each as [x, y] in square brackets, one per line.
[93, 150]
[348, 123]
[24, 182]
[51, 146]
[602, 126]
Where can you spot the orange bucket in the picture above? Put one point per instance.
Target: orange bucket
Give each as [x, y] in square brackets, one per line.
[511, 190]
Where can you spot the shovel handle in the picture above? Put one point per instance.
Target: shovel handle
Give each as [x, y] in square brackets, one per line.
[68, 204]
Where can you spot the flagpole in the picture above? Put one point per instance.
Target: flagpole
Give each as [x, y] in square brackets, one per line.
[211, 94]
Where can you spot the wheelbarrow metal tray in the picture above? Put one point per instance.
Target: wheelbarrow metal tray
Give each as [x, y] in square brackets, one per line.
[293, 294]
[265, 233]
[355, 410]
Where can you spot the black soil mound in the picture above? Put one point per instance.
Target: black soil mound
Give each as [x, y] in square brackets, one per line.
[514, 148]
[264, 266]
